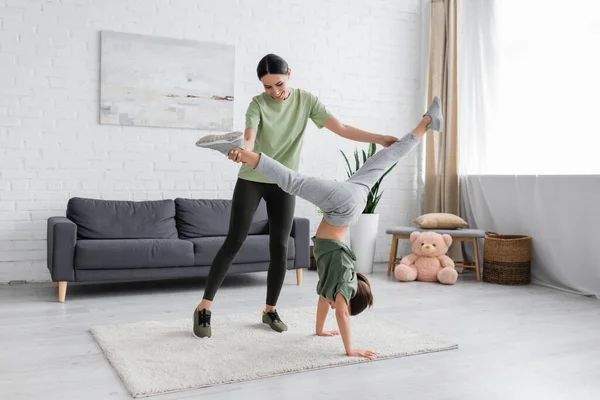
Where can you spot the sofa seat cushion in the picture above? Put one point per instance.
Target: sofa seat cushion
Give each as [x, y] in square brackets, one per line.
[120, 219]
[254, 249]
[133, 253]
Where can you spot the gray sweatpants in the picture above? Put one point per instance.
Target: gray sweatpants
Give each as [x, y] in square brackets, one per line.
[341, 202]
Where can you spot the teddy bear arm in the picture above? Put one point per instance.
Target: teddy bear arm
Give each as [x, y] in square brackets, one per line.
[409, 259]
[446, 261]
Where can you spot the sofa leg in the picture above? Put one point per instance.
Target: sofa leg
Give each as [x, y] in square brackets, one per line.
[62, 291]
[299, 276]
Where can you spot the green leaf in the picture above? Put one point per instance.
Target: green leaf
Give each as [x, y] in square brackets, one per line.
[349, 171]
[387, 172]
[374, 195]
[372, 204]
[375, 187]
[372, 149]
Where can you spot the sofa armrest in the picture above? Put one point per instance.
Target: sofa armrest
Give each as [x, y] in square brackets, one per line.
[61, 239]
[301, 235]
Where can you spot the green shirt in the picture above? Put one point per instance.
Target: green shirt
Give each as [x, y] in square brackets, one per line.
[335, 267]
[280, 127]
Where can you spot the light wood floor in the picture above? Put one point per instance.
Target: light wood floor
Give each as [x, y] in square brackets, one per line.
[515, 342]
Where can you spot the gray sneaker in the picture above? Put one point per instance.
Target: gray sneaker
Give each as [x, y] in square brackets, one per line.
[435, 112]
[222, 143]
[201, 326]
[272, 319]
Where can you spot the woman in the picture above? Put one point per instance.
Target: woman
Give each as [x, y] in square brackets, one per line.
[275, 124]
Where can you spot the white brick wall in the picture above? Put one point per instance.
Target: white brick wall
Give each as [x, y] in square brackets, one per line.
[361, 57]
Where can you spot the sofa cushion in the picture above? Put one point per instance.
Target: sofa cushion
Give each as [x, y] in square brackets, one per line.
[116, 219]
[254, 249]
[210, 217]
[133, 253]
[440, 221]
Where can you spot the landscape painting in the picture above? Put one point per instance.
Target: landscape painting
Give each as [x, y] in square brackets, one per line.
[163, 82]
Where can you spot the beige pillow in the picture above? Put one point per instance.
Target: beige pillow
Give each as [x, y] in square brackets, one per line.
[440, 221]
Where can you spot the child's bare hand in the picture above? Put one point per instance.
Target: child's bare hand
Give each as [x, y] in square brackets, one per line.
[363, 353]
[328, 333]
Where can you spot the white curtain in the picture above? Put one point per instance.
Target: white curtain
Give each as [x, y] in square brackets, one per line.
[478, 78]
[529, 75]
[558, 212]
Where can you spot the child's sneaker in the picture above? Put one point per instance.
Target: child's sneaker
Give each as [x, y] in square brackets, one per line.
[201, 327]
[435, 112]
[272, 319]
[222, 143]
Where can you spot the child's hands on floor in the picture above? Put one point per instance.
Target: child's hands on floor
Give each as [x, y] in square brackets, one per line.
[363, 353]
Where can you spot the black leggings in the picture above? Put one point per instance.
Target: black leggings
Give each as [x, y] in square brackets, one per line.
[280, 210]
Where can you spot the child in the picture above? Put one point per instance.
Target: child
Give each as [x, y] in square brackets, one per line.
[339, 287]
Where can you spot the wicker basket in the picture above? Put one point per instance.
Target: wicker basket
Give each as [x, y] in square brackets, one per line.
[507, 259]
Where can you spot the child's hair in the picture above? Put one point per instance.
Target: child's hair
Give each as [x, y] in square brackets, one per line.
[363, 297]
[271, 64]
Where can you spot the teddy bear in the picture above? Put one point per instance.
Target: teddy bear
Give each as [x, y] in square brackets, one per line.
[428, 261]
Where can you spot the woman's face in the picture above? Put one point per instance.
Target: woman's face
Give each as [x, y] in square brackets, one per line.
[276, 85]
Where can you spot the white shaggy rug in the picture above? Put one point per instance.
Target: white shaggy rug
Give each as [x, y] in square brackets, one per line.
[157, 357]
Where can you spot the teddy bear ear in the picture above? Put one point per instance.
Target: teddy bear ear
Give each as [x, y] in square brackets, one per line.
[414, 236]
[447, 239]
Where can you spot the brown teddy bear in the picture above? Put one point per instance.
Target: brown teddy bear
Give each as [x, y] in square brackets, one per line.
[428, 261]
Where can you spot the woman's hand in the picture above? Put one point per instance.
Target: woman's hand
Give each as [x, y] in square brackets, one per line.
[328, 333]
[386, 141]
[234, 155]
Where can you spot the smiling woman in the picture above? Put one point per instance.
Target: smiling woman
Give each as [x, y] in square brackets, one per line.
[276, 121]
[274, 73]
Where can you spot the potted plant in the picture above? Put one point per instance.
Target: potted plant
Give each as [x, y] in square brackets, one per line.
[363, 233]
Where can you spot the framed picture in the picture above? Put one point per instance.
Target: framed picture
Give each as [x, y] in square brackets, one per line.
[163, 82]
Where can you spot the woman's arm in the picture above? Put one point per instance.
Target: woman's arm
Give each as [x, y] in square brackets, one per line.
[342, 314]
[352, 133]
[322, 310]
[249, 138]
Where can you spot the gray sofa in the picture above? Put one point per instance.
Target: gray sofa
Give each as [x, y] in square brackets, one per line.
[110, 240]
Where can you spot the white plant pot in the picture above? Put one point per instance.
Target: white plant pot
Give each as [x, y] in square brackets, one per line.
[363, 236]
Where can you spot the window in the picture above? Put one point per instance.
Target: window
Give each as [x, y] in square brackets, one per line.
[536, 65]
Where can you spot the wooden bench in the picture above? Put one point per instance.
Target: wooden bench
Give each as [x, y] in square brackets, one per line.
[458, 235]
